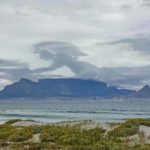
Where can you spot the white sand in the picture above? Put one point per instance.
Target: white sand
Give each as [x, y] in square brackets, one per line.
[35, 138]
[25, 123]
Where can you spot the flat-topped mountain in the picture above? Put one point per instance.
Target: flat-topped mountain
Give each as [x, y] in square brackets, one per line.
[62, 87]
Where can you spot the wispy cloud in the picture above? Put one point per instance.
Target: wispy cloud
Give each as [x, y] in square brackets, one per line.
[146, 3]
[12, 64]
[140, 44]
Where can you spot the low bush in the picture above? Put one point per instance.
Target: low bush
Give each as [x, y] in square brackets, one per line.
[128, 128]
[67, 137]
[6, 131]
[37, 129]
[51, 133]
[22, 134]
[12, 121]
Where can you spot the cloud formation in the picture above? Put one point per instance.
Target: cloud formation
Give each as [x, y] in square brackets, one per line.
[66, 54]
[146, 3]
[140, 44]
[11, 63]
[62, 54]
[26, 26]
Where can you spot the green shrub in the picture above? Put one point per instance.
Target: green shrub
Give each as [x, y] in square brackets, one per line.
[16, 146]
[51, 133]
[4, 144]
[74, 140]
[138, 121]
[94, 134]
[127, 128]
[66, 135]
[37, 129]
[33, 146]
[12, 121]
[124, 131]
[72, 137]
[142, 147]
[81, 147]
[22, 134]
[6, 131]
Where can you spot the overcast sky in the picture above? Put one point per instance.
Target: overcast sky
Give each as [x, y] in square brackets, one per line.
[91, 39]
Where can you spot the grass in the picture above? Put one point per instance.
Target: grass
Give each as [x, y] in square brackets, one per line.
[72, 137]
[22, 134]
[6, 131]
[129, 128]
[9, 122]
[66, 135]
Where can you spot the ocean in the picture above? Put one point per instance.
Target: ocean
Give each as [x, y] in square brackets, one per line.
[55, 110]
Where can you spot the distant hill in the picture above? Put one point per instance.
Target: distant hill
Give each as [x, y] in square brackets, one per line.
[143, 93]
[62, 87]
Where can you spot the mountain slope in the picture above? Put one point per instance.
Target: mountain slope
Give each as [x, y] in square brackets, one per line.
[143, 93]
[62, 87]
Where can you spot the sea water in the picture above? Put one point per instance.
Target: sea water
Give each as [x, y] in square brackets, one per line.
[55, 110]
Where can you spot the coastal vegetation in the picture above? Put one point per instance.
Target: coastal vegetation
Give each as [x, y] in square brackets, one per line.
[75, 136]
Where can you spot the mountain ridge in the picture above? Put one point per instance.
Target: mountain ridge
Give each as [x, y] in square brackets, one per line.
[62, 87]
[143, 93]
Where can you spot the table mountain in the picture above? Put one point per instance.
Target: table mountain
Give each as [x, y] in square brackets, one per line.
[62, 87]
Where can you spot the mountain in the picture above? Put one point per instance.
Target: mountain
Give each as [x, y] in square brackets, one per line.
[62, 87]
[143, 93]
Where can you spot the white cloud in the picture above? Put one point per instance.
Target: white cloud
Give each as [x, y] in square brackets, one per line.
[24, 23]
[112, 17]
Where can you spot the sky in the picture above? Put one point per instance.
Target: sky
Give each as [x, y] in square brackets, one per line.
[91, 39]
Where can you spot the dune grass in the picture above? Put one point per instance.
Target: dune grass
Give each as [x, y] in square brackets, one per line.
[71, 137]
[9, 122]
[6, 131]
[129, 128]
[22, 134]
